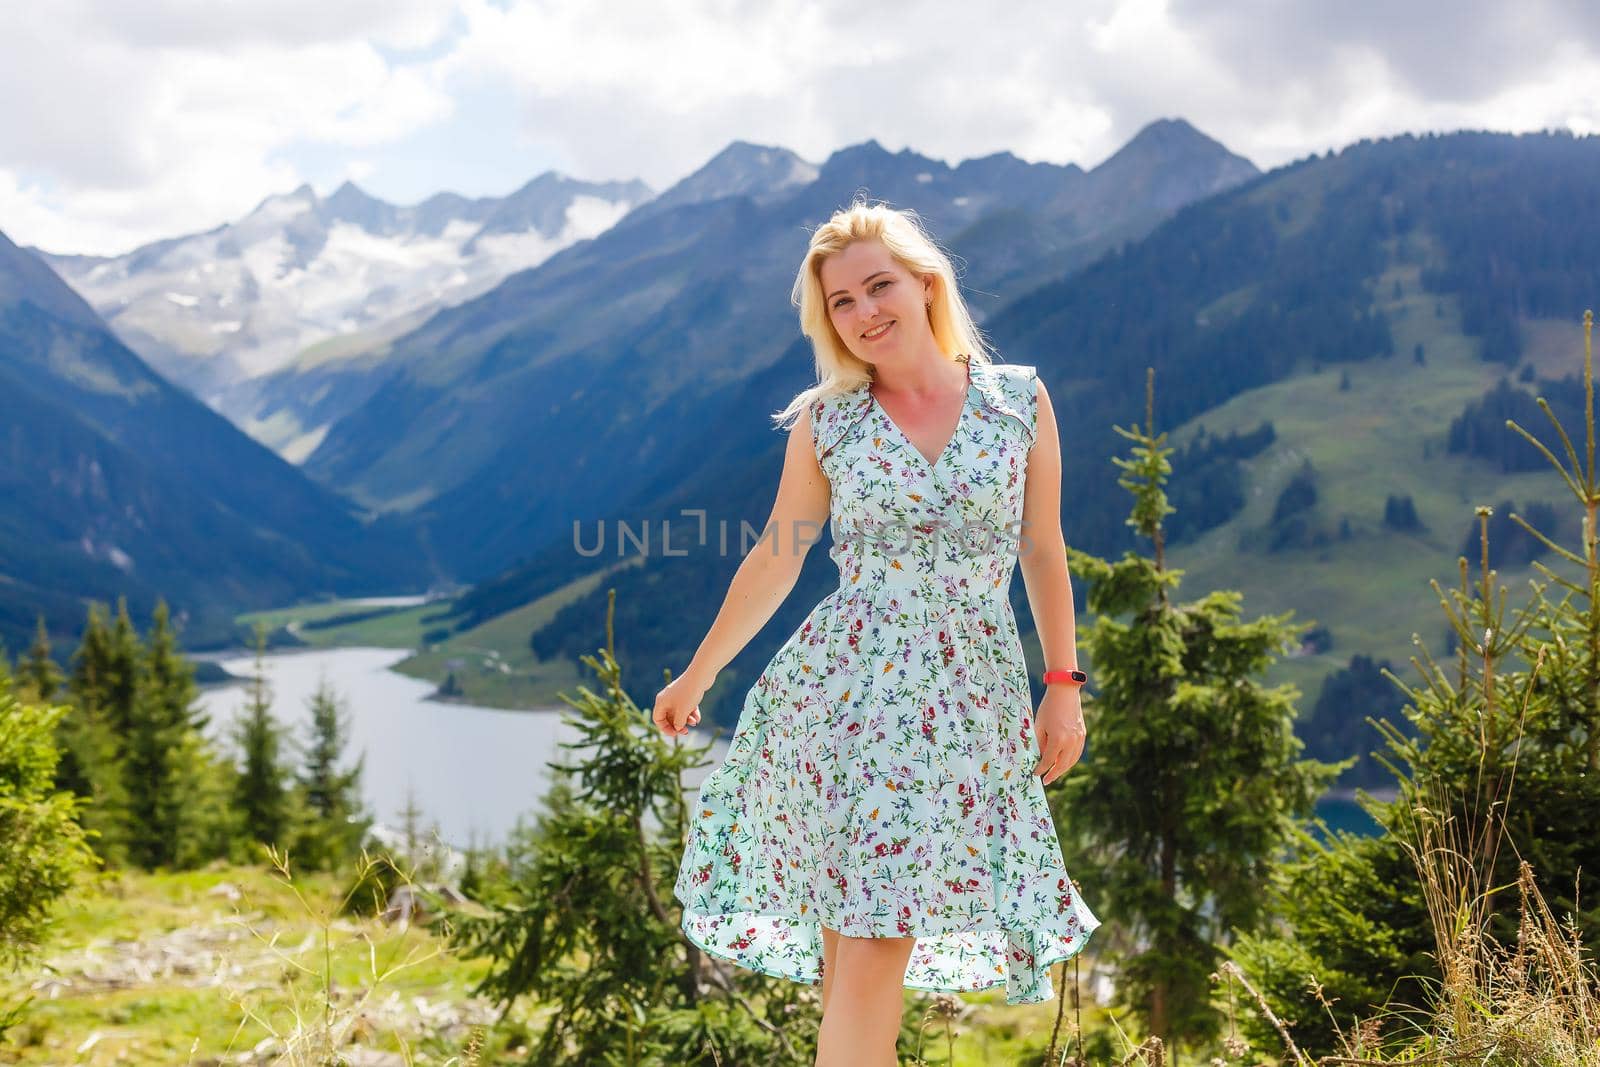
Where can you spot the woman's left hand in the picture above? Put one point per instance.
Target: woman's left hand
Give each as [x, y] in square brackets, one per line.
[1061, 731]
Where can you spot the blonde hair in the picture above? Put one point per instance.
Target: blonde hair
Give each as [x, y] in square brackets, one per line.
[901, 231]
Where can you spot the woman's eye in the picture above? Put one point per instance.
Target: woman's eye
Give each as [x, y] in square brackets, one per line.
[843, 300]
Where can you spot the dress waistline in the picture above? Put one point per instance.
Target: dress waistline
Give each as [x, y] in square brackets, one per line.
[923, 595]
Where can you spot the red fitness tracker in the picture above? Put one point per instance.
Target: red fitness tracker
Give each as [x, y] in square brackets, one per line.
[1072, 676]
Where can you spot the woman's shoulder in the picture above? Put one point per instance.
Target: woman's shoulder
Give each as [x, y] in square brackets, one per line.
[1010, 376]
[1009, 389]
[832, 415]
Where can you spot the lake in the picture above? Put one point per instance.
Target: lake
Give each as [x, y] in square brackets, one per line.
[472, 771]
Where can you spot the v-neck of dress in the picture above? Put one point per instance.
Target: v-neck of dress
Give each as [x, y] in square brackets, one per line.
[955, 435]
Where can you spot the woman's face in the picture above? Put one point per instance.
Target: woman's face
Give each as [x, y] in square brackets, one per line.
[875, 304]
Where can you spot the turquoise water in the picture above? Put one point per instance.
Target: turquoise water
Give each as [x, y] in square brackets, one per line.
[472, 771]
[1343, 813]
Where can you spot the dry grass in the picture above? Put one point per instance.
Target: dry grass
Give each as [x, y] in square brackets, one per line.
[1530, 1002]
[338, 1019]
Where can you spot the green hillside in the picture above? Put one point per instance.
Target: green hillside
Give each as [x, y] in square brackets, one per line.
[492, 663]
[1371, 591]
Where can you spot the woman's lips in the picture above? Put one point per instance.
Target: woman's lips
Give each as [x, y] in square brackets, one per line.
[871, 337]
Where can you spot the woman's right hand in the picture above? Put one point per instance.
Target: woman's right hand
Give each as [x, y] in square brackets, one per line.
[678, 705]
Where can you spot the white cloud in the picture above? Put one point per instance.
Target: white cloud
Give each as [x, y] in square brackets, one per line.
[212, 26]
[179, 114]
[1457, 52]
[127, 139]
[358, 170]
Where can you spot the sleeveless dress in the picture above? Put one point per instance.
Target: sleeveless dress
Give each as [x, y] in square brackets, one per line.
[878, 781]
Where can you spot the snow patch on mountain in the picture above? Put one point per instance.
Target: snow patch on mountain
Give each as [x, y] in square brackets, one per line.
[213, 310]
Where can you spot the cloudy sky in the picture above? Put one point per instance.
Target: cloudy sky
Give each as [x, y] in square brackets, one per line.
[131, 120]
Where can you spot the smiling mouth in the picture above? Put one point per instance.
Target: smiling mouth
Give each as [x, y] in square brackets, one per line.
[878, 331]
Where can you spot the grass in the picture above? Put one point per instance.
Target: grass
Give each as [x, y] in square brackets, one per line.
[981, 1029]
[201, 967]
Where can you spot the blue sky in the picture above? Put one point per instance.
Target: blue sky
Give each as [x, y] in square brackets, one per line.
[150, 118]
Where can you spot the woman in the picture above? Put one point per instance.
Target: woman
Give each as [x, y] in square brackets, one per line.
[880, 818]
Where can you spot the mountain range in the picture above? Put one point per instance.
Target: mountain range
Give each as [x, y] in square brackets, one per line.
[1335, 345]
[604, 354]
[115, 482]
[302, 281]
[425, 363]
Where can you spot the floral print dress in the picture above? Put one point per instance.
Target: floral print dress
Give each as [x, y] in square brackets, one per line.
[879, 780]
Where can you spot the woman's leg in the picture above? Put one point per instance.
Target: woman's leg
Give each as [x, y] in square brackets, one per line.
[830, 953]
[862, 1022]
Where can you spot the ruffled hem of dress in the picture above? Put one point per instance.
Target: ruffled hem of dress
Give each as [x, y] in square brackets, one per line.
[1031, 986]
[787, 942]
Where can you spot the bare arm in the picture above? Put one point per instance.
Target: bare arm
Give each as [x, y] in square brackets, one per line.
[1059, 724]
[764, 578]
[1044, 563]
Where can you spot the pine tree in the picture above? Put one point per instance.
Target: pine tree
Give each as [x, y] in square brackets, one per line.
[1192, 788]
[120, 672]
[216, 829]
[421, 859]
[90, 766]
[91, 661]
[38, 672]
[336, 823]
[589, 927]
[163, 779]
[261, 794]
